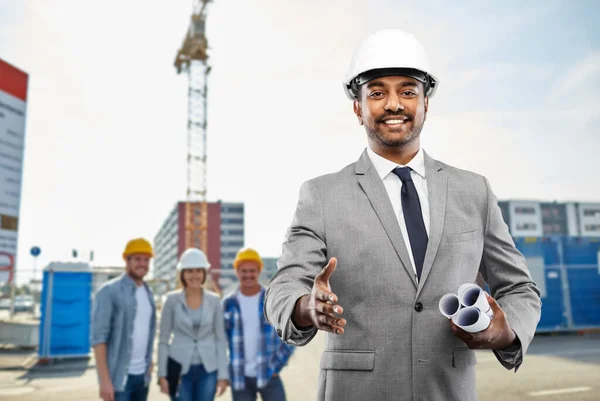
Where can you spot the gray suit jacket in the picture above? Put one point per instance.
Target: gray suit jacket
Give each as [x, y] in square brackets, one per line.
[393, 349]
[177, 338]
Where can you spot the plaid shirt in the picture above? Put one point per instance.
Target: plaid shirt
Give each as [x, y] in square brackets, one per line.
[273, 354]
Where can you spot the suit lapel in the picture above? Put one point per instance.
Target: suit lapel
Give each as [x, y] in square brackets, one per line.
[437, 188]
[373, 187]
[204, 306]
[185, 317]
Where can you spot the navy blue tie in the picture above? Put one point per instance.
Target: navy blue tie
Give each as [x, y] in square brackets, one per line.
[413, 217]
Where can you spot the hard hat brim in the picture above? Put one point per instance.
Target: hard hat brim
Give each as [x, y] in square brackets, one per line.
[179, 267]
[352, 85]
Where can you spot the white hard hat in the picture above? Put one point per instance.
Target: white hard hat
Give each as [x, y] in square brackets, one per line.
[385, 52]
[193, 258]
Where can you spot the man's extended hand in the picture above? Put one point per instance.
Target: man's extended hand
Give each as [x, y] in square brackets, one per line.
[320, 309]
[497, 336]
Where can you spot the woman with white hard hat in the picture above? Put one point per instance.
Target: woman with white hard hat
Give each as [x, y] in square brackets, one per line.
[192, 348]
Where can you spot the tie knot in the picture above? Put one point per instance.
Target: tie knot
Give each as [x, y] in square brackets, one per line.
[403, 173]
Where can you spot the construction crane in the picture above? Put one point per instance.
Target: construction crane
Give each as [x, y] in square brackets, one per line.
[192, 59]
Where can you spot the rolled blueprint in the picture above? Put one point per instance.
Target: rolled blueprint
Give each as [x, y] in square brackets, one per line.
[473, 295]
[471, 319]
[462, 289]
[449, 305]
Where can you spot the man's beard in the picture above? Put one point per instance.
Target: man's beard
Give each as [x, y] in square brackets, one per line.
[134, 273]
[410, 137]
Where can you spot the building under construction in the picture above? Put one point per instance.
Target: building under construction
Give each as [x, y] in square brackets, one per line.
[225, 237]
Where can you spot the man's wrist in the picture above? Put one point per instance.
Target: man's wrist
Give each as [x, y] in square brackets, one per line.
[299, 318]
[513, 342]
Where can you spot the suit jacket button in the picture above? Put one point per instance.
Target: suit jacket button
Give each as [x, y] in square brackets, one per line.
[418, 307]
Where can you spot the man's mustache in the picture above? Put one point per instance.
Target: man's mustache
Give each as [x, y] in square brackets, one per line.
[390, 114]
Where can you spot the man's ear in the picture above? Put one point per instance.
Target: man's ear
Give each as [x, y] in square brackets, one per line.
[358, 111]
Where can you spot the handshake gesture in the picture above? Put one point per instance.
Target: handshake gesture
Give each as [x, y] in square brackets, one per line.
[320, 309]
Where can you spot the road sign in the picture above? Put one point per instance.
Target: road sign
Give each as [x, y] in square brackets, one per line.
[35, 251]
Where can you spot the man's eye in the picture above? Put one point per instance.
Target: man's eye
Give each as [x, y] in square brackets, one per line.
[409, 93]
[376, 94]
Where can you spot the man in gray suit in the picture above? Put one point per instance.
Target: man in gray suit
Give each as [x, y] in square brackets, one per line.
[387, 237]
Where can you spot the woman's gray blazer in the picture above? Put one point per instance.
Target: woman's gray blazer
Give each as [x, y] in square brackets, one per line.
[177, 338]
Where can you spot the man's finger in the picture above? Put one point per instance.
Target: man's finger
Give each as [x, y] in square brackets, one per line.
[334, 330]
[329, 308]
[330, 324]
[460, 333]
[331, 321]
[326, 296]
[327, 271]
[493, 304]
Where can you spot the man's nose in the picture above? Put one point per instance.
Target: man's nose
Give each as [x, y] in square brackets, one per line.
[394, 103]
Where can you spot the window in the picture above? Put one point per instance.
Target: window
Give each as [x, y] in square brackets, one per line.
[232, 232]
[591, 212]
[232, 221]
[524, 210]
[526, 226]
[9, 223]
[238, 244]
[553, 228]
[232, 209]
[592, 227]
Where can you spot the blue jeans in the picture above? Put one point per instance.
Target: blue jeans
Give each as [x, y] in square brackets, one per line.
[198, 385]
[272, 392]
[135, 389]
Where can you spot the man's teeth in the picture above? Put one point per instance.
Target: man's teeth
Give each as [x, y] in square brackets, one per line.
[390, 122]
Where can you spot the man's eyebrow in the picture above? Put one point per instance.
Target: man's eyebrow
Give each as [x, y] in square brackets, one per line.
[374, 83]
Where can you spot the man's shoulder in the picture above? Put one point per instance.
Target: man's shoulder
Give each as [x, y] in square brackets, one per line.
[467, 177]
[111, 285]
[333, 179]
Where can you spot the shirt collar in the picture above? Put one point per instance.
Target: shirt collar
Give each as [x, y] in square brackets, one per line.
[129, 281]
[385, 166]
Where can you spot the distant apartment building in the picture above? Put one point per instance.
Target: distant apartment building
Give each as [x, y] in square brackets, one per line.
[270, 265]
[225, 237]
[536, 219]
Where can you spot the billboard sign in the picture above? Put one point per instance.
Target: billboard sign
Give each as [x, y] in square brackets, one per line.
[13, 102]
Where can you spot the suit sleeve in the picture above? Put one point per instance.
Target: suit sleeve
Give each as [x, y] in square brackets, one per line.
[304, 255]
[164, 334]
[504, 269]
[219, 329]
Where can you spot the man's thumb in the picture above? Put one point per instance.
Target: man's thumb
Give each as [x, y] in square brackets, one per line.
[493, 304]
[328, 270]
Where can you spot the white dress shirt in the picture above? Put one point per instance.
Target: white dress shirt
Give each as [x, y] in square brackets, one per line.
[393, 186]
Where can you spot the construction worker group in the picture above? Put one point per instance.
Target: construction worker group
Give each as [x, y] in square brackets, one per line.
[370, 252]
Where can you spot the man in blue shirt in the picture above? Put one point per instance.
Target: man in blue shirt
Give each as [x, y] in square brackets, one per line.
[256, 352]
[123, 328]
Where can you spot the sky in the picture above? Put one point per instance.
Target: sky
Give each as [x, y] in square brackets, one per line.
[105, 156]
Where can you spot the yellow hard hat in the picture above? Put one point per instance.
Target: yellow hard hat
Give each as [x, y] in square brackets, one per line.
[138, 245]
[247, 255]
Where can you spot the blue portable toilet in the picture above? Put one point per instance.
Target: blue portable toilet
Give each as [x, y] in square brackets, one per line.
[65, 310]
[543, 261]
[580, 256]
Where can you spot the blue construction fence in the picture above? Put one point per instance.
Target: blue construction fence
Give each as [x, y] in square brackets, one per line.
[567, 272]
